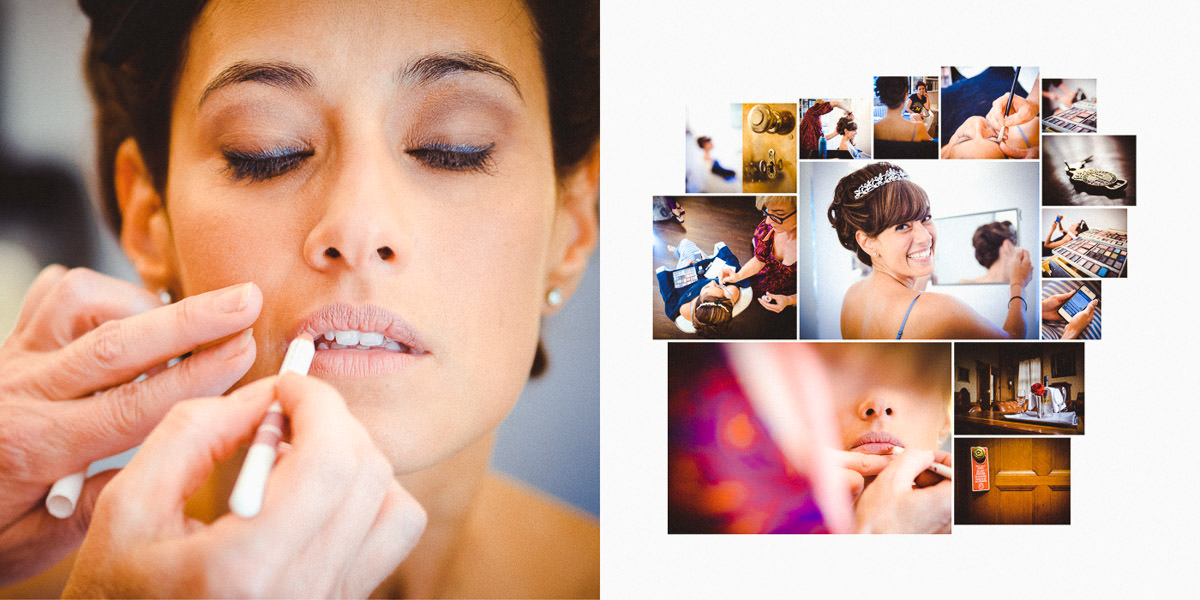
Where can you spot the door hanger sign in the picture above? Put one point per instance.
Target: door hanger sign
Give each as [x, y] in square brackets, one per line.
[979, 469]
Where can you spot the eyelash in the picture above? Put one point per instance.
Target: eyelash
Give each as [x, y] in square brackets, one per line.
[261, 166]
[904, 226]
[455, 157]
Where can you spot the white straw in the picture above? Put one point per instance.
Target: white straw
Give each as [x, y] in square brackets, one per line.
[247, 497]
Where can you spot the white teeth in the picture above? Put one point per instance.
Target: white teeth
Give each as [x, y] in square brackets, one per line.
[358, 340]
[370, 338]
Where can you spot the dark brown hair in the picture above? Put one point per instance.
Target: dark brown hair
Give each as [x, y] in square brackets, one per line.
[702, 140]
[712, 318]
[136, 48]
[891, 90]
[988, 239]
[884, 206]
[845, 124]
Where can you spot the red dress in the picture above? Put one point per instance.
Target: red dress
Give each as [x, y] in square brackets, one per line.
[809, 132]
[775, 277]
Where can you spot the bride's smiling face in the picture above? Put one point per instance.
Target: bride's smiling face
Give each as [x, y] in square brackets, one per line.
[374, 167]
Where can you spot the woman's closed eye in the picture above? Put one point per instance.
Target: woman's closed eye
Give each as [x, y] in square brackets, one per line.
[469, 158]
[262, 165]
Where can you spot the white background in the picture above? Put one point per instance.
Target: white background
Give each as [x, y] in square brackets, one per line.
[1134, 492]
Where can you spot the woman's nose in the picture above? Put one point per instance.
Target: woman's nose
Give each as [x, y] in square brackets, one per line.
[921, 232]
[876, 405]
[361, 225]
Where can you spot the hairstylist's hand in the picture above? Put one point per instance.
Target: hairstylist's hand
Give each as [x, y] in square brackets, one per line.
[66, 396]
[1022, 268]
[891, 504]
[1022, 110]
[334, 521]
[1079, 323]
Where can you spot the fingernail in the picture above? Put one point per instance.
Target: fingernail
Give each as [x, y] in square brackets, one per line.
[234, 346]
[234, 300]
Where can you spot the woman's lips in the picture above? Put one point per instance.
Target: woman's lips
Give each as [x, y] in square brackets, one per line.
[875, 442]
[361, 340]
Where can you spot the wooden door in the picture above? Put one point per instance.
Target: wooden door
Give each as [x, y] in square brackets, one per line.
[1030, 481]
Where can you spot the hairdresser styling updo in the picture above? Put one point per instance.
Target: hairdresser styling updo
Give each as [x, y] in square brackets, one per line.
[884, 218]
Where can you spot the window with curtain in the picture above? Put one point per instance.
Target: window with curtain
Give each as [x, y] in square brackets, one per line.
[1029, 372]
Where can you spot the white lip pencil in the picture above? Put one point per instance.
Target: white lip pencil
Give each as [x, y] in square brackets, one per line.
[247, 497]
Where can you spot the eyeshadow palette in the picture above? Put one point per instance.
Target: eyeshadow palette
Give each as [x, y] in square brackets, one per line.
[1080, 118]
[1096, 253]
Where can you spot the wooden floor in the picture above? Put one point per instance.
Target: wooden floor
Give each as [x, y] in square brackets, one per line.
[712, 219]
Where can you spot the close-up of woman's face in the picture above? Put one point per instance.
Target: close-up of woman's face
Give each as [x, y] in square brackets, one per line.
[975, 138]
[908, 248]
[386, 170]
[883, 399]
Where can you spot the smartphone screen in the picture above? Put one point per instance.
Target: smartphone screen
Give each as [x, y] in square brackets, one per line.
[1079, 301]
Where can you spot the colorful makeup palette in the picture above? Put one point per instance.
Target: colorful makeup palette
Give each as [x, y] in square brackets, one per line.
[1099, 253]
[1080, 118]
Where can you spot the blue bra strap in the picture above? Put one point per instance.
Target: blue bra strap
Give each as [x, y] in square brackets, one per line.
[905, 321]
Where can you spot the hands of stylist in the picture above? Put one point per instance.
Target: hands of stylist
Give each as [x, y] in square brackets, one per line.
[334, 521]
[1022, 110]
[891, 504]
[780, 301]
[67, 396]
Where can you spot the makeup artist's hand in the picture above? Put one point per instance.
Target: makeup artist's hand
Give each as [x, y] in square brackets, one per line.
[67, 396]
[775, 302]
[726, 275]
[857, 466]
[334, 521]
[1022, 110]
[892, 504]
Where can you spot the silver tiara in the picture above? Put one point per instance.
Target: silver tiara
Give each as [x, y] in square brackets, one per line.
[879, 181]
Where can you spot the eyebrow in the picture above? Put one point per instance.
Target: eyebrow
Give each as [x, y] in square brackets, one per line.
[431, 67]
[279, 74]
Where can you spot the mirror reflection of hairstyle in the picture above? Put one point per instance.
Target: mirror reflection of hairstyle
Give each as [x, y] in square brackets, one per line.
[892, 91]
[712, 317]
[921, 84]
[989, 237]
[845, 124]
[887, 205]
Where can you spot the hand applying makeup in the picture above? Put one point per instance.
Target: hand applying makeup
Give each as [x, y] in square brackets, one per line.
[67, 395]
[334, 521]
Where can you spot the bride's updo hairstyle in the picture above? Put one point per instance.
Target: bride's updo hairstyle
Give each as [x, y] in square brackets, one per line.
[872, 199]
